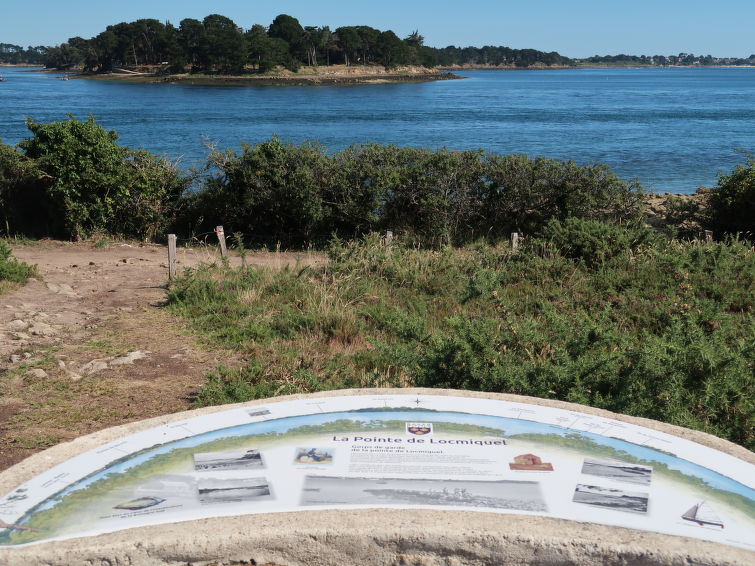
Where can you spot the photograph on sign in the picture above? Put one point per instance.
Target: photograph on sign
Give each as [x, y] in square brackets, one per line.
[221, 490]
[618, 471]
[329, 491]
[231, 460]
[618, 499]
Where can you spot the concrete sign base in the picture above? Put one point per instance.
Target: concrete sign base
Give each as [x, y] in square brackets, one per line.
[405, 476]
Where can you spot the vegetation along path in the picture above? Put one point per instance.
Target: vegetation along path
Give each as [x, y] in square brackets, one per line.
[87, 346]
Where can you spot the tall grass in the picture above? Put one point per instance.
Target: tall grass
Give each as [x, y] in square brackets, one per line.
[634, 324]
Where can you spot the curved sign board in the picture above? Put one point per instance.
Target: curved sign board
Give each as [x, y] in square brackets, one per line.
[392, 451]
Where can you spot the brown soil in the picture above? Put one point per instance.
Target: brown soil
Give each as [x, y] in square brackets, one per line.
[89, 345]
[659, 208]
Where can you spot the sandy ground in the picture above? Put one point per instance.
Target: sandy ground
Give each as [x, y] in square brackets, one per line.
[89, 345]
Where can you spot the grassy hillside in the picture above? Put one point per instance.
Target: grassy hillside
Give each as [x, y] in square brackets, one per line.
[592, 313]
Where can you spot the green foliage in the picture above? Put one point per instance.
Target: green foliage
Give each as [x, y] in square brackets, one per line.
[154, 187]
[86, 166]
[11, 269]
[225, 46]
[683, 215]
[270, 192]
[228, 385]
[218, 44]
[23, 187]
[731, 205]
[659, 329]
[592, 241]
[277, 191]
[524, 194]
[81, 181]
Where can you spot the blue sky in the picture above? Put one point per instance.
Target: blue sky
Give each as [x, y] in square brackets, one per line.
[575, 28]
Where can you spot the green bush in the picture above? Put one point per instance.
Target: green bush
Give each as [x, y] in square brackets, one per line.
[523, 194]
[276, 191]
[152, 196]
[11, 269]
[95, 185]
[23, 188]
[272, 192]
[86, 167]
[731, 205]
[593, 241]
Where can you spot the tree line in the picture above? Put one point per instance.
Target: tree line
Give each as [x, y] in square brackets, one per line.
[11, 54]
[680, 60]
[218, 44]
[500, 56]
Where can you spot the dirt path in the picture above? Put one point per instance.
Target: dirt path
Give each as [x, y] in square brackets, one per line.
[89, 345]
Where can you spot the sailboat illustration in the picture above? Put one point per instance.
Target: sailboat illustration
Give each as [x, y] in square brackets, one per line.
[703, 514]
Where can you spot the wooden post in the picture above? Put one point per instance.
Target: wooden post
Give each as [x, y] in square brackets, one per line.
[388, 237]
[708, 236]
[514, 240]
[221, 238]
[171, 256]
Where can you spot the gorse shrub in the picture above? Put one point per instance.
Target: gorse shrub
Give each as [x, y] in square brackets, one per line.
[660, 329]
[11, 269]
[731, 205]
[592, 241]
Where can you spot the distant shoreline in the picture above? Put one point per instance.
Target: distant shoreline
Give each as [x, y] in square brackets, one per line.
[456, 68]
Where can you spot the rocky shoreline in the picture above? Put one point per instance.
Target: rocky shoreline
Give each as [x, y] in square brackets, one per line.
[342, 76]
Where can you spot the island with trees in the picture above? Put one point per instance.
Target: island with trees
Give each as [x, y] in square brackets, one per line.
[217, 48]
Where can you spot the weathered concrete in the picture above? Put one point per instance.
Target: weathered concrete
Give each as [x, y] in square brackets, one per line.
[379, 536]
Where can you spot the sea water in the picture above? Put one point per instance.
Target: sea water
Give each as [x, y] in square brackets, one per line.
[672, 129]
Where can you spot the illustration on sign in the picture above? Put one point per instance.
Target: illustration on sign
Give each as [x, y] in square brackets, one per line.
[391, 451]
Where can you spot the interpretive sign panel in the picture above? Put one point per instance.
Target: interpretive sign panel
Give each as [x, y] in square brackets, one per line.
[392, 451]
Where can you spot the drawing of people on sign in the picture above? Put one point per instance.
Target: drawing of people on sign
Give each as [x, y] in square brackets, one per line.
[313, 456]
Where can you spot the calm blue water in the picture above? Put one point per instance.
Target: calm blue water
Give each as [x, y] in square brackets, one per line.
[672, 129]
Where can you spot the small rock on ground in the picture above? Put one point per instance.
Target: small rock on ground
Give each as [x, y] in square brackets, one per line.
[39, 373]
[129, 358]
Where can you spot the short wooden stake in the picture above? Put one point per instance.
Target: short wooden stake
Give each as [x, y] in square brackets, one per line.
[171, 256]
[221, 239]
[708, 236]
[514, 240]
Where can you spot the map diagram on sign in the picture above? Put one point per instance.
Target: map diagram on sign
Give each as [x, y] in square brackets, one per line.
[392, 451]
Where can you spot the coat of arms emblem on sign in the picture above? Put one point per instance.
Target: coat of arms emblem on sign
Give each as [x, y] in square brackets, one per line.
[419, 429]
